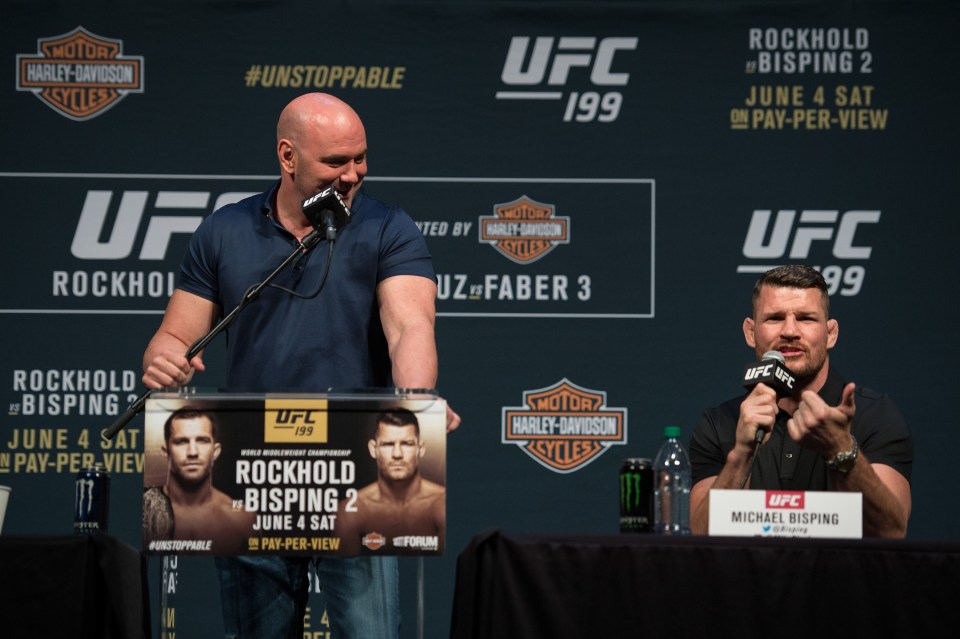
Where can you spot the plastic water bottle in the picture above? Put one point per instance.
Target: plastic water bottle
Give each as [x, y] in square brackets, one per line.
[671, 476]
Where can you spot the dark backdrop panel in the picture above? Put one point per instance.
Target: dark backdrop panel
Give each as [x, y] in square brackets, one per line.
[648, 126]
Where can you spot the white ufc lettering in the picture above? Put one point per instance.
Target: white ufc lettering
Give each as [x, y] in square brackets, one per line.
[758, 372]
[814, 225]
[87, 243]
[784, 376]
[784, 500]
[572, 52]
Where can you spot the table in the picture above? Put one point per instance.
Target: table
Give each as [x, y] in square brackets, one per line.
[82, 586]
[572, 586]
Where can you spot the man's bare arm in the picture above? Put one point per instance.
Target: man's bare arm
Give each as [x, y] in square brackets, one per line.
[407, 313]
[188, 318]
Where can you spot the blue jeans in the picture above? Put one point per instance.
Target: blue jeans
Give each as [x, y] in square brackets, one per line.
[265, 597]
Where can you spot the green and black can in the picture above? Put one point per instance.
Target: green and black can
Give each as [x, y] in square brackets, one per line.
[636, 495]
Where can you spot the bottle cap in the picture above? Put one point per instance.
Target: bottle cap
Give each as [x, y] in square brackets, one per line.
[671, 431]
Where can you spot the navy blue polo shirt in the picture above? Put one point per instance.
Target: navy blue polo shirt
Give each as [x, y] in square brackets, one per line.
[282, 343]
[782, 464]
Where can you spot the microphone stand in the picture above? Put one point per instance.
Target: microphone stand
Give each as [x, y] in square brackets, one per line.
[252, 294]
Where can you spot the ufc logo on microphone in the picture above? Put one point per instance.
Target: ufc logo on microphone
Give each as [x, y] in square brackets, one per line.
[758, 372]
[784, 377]
[785, 499]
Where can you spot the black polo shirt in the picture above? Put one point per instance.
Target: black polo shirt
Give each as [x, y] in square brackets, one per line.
[782, 464]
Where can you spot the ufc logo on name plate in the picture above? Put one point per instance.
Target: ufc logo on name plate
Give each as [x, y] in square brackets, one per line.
[793, 499]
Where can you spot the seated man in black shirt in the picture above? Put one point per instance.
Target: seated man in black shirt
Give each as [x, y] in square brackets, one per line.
[829, 435]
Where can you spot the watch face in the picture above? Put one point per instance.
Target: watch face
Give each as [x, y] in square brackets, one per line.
[846, 462]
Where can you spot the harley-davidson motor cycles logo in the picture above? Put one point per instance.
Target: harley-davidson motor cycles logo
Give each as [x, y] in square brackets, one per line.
[79, 74]
[524, 230]
[564, 427]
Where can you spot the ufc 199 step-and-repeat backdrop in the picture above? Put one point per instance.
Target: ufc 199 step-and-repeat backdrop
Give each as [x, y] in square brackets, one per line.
[599, 183]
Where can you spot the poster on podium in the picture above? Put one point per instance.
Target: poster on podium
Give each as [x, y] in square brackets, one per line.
[335, 474]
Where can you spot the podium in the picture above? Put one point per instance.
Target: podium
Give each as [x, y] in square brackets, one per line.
[294, 475]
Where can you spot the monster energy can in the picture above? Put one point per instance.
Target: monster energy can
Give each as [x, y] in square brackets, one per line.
[92, 500]
[636, 496]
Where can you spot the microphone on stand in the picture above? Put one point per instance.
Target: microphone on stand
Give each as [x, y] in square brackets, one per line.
[326, 210]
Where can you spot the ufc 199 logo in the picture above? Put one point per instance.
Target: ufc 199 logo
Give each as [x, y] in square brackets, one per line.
[788, 235]
[557, 61]
[295, 421]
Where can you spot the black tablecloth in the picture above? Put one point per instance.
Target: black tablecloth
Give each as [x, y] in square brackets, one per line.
[577, 587]
[82, 586]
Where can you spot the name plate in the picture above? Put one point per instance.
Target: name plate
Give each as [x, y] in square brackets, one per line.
[786, 513]
[294, 475]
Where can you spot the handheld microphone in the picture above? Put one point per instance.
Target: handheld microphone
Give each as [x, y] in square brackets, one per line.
[772, 371]
[327, 211]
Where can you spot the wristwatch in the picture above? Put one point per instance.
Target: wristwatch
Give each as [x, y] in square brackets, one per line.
[845, 459]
